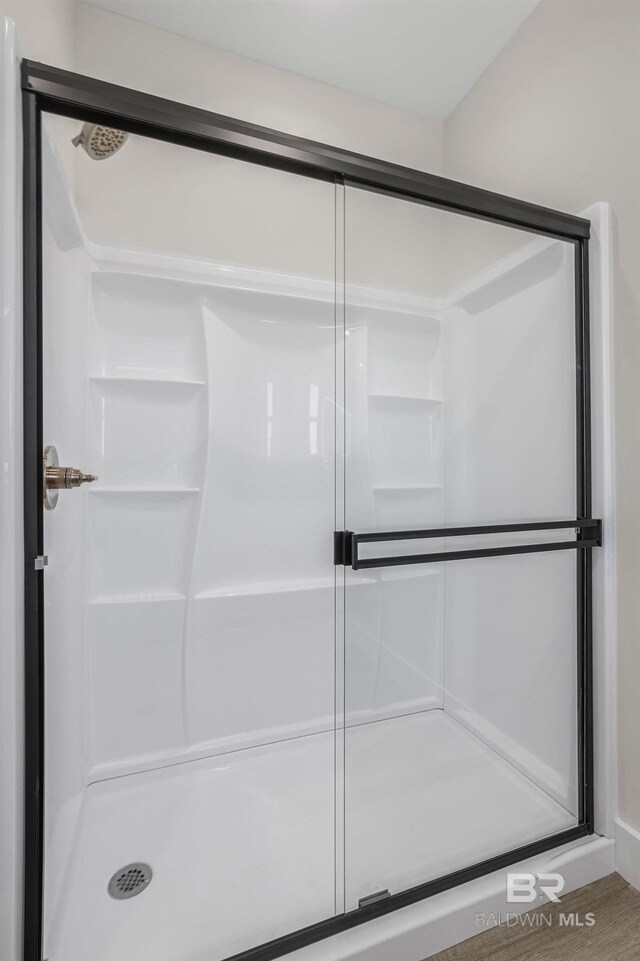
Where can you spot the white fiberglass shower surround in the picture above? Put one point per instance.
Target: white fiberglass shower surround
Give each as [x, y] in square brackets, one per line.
[316, 644]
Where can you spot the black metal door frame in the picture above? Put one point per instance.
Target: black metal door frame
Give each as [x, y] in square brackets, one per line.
[51, 90]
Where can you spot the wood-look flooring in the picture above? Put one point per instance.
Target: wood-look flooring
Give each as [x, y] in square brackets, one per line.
[615, 935]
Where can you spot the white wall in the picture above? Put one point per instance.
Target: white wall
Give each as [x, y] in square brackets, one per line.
[44, 29]
[159, 196]
[163, 197]
[77, 36]
[109, 47]
[554, 120]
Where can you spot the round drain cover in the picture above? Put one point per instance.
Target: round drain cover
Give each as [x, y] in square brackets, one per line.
[129, 881]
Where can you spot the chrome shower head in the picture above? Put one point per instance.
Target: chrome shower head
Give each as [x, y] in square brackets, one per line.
[100, 142]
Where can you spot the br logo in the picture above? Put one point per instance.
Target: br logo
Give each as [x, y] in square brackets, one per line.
[525, 888]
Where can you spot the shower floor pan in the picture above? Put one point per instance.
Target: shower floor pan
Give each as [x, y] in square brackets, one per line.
[242, 845]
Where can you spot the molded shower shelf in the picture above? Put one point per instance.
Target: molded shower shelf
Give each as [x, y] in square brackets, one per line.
[145, 379]
[276, 587]
[405, 440]
[147, 433]
[392, 488]
[146, 325]
[404, 398]
[411, 573]
[163, 598]
[144, 490]
[142, 540]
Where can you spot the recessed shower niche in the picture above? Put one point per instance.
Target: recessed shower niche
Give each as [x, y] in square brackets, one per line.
[280, 719]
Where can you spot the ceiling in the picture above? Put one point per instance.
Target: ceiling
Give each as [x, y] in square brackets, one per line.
[420, 55]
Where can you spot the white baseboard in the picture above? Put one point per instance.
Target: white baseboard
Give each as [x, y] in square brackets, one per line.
[423, 929]
[628, 853]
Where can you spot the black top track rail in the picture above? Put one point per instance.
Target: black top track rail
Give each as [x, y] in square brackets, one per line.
[84, 98]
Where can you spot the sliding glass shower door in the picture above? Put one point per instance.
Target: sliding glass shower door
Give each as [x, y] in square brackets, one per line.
[461, 673]
[189, 363]
[314, 630]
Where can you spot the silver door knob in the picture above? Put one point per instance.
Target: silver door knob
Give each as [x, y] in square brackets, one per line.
[56, 478]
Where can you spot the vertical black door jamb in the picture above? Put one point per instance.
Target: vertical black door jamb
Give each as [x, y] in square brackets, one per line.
[584, 557]
[33, 532]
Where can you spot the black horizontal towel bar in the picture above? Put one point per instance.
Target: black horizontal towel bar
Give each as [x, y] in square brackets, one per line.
[346, 543]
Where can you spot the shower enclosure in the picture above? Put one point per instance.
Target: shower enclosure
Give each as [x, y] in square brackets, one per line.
[316, 644]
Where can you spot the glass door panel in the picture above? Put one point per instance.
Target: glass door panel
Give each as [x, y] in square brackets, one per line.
[234, 732]
[461, 675]
[189, 360]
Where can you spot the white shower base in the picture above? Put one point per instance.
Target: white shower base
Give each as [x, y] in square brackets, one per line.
[255, 829]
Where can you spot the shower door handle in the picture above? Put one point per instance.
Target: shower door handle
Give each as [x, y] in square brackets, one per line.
[346, 543]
